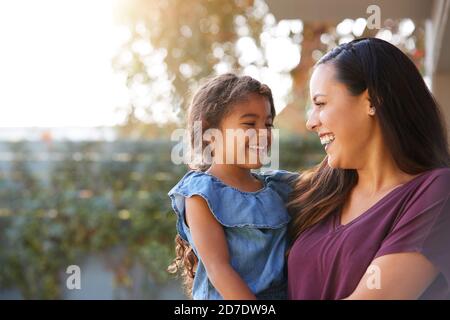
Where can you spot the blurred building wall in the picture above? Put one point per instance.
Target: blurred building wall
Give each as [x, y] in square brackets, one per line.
[436, 14]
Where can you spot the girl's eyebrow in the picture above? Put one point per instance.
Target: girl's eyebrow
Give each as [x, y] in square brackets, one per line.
[253, 115]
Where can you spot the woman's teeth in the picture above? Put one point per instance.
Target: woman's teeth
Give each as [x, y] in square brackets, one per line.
[327, 139]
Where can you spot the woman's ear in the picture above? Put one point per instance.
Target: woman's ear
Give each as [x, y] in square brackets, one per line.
[368, 103]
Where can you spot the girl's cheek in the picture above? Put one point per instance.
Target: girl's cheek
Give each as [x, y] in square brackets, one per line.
[265, 137]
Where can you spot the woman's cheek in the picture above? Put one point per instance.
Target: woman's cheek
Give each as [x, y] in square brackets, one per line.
[325, 117]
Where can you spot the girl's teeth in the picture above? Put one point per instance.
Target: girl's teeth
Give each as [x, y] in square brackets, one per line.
[256, 147]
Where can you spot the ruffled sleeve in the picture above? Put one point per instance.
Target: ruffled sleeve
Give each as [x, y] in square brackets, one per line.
[232, 207]
[281, 181]
[193, 183]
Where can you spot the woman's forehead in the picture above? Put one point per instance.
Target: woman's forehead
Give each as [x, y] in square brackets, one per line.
[323, 76]
[323, 82]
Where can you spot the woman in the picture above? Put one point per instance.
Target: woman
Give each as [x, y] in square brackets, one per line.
[372, 221]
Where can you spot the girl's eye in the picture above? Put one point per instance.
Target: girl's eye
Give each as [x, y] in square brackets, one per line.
[249, 123]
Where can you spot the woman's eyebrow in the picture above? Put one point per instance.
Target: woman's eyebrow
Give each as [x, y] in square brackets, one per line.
[318, 95]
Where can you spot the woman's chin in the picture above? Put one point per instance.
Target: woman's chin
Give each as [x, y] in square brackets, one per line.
[332, 163]
[336, 164]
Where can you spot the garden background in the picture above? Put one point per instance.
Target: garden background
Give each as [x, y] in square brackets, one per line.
[94, 192]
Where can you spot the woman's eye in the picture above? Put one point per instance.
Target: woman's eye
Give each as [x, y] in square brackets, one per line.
[249, 123]
[320, 104]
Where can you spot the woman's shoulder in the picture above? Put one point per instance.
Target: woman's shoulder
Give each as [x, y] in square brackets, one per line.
[429, 189]
[437, 180]
[441, 173]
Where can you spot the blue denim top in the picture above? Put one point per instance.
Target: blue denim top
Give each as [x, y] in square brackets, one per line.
[255, 225]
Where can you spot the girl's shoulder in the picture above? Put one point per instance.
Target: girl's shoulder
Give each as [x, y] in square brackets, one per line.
[280, 181]
[264, 208]
[280, 176]
[194, 182]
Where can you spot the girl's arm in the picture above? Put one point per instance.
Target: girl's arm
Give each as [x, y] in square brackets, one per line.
[209, 239]
[396, 276]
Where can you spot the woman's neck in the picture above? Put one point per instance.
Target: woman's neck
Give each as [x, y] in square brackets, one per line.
[380, 174]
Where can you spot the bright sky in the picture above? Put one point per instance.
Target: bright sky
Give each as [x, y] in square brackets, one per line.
[55, 63]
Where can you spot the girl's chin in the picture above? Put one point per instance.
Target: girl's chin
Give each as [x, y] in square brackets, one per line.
[250, 166]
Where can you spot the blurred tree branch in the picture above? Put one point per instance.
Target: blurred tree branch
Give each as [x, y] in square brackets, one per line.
[187, 39]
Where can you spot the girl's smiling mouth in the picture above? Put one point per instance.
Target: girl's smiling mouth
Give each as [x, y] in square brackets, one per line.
[256, 147]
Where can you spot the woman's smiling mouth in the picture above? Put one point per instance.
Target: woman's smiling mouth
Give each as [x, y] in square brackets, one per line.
[326, 139]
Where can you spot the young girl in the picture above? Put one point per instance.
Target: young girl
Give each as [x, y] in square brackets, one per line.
[231, 240]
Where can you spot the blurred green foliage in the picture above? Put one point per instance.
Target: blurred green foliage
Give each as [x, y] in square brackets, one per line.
[85, 205]
[90, 197]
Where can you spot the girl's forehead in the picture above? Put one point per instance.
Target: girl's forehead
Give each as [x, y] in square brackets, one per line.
[255, 104]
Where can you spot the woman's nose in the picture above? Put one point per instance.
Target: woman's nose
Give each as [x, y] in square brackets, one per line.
[313, 121]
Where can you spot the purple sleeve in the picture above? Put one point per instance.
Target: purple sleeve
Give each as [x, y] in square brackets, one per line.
[424, 226]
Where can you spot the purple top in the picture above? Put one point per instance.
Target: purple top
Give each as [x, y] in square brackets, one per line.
[328, 260]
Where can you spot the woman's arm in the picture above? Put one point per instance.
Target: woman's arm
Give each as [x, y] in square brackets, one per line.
[209, 239]
[401, 276]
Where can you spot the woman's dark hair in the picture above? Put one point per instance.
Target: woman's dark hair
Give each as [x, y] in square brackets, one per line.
[409, 117]
[211, 103]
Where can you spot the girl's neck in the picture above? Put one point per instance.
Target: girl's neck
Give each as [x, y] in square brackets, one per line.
[240, 178]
